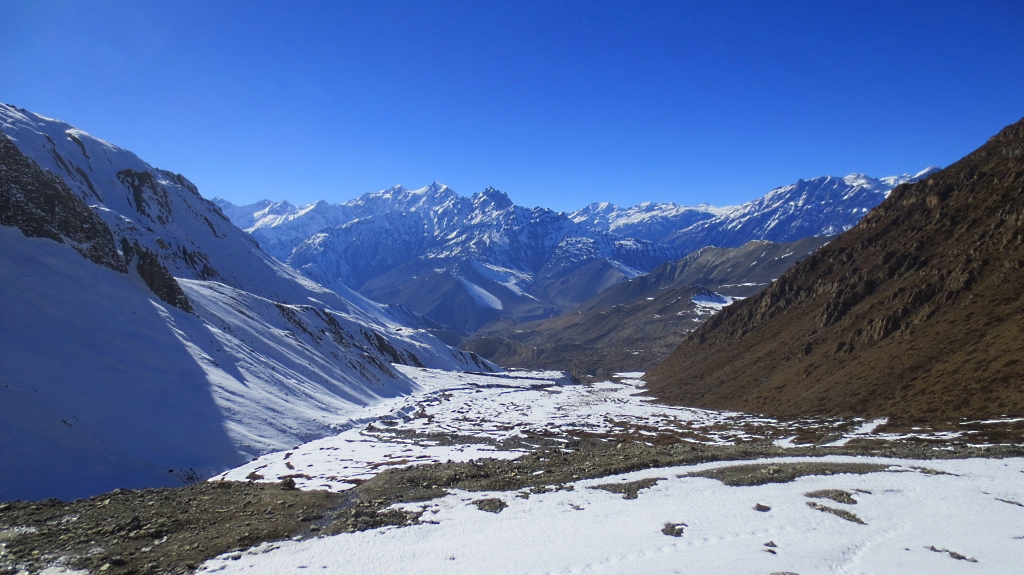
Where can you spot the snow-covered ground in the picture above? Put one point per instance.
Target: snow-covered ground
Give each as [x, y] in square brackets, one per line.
[464, 416]
[967, 518]
[934, 516]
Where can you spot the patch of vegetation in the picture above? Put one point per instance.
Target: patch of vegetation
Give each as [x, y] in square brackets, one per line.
[761, 474]
[631, 489]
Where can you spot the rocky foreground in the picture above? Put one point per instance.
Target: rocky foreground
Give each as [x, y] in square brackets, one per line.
[176, 530]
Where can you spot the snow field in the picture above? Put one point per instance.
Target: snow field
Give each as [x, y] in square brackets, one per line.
[914, 519]
[463, 416]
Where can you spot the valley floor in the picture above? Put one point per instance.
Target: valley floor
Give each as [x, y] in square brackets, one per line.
[532, 472]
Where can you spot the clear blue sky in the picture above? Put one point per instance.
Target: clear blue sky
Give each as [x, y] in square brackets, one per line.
[557, 103]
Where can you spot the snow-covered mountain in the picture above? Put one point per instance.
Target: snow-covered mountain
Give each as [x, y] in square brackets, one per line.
[648, 220]
[822, 206]
[462, 261]
[175, 343]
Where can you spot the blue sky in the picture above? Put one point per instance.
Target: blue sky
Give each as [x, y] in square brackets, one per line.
[557, 103]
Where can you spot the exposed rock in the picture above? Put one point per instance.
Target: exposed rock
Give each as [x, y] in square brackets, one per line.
[630, 490]
[156, 276]
[41, 205]
[490, 504]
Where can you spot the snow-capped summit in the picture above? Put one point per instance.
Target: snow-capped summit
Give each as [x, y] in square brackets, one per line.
[646, 220]
[821, 206]
[384, 243]
[492, 200]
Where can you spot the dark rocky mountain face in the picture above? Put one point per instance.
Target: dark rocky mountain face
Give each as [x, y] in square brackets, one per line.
[634, 324]
[41, 206]
[915, 313]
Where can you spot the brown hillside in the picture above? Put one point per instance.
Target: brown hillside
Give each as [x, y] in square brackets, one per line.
[635, 324]
[916, 313]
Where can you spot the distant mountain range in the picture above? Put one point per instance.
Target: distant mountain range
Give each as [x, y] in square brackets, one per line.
[823, 206]
[637, 323]
[915, 313]
[148, 341]
[466, 262]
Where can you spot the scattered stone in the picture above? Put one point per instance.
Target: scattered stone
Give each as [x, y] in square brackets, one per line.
[673, 529]
[952, 554]
[155, 530]
[762, 508]
[227, 516]
[490, 504]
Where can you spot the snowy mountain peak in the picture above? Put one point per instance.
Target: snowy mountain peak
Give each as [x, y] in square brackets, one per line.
[283, 208]
[491, 199]
[436, 188]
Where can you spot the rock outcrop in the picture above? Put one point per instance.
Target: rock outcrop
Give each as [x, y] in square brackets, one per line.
[41, 205]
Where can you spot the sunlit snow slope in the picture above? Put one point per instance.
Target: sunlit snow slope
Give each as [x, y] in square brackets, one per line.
[113, 379]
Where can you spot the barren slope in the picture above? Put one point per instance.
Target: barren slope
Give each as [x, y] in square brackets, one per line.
[636, 324]
[916, 313]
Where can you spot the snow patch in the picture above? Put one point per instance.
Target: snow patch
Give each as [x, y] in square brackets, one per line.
[481, 296]
[905, 516]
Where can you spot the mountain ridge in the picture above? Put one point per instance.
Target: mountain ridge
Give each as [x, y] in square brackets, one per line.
[133, 303]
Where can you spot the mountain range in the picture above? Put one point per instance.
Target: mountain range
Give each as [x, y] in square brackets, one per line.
[467, 262]
[149, 341]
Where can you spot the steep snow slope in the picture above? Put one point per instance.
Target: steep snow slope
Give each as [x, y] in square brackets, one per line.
[108, 384]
